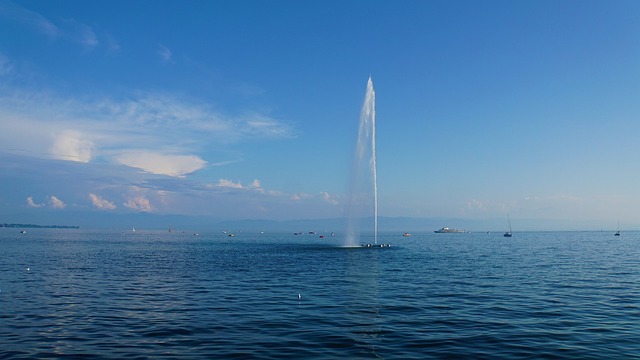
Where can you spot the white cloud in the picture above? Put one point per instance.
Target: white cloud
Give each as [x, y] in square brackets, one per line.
[32, 204]
[328, 198]
[72, 145]
[119, 129]
[256, 186]
[139, 203]
[301, 196]
[155, 163]
[56, 203]
[224, 183]
[101, 203]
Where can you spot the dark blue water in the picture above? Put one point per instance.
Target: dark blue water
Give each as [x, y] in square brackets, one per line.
[75, 293]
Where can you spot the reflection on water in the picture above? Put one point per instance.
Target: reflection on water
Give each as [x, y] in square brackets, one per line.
[363, 306]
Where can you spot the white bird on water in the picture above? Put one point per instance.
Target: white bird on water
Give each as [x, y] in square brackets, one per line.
[299, 296]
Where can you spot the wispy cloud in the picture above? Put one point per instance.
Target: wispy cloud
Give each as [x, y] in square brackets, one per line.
[261, 125]
[5, 65]
[160, 134]
[164, 53]
[225, 183]
[113, 46]
[255, 186]
[29, 18]
[56, 29]
[300, 196]
[101, 203]
[80, 33]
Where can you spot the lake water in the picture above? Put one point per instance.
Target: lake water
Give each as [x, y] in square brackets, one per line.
[147, 295]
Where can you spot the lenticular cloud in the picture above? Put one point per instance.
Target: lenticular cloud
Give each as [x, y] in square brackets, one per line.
[161, 164]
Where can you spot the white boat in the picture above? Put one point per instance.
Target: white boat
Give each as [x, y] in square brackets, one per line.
[446, 230]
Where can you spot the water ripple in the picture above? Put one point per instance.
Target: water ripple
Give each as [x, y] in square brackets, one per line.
[100, 295]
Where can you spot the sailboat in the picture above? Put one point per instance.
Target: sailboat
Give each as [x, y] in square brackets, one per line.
[508, 233]
[618, 232]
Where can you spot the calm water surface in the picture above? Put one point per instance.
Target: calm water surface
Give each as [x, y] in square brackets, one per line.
[147, 295]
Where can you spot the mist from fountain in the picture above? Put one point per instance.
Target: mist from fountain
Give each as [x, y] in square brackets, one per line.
[363, 195]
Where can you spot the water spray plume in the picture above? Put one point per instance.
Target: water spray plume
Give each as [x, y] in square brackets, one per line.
[364, 188]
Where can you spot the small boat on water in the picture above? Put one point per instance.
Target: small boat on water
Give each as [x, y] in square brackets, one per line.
[446, 230]
[508, 233]
[618, 232]
[406, 234]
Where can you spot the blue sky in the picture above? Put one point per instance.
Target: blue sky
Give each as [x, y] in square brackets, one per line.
[249, 109]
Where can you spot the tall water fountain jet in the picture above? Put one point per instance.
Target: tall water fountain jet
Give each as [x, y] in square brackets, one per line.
[364, 188]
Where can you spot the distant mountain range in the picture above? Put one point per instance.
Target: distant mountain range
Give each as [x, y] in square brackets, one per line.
[102, 220]
[32, 226]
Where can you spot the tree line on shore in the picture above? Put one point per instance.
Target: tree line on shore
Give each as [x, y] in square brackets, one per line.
[32, 226]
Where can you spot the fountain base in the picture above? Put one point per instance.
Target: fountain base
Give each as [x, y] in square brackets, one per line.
[376, 245]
